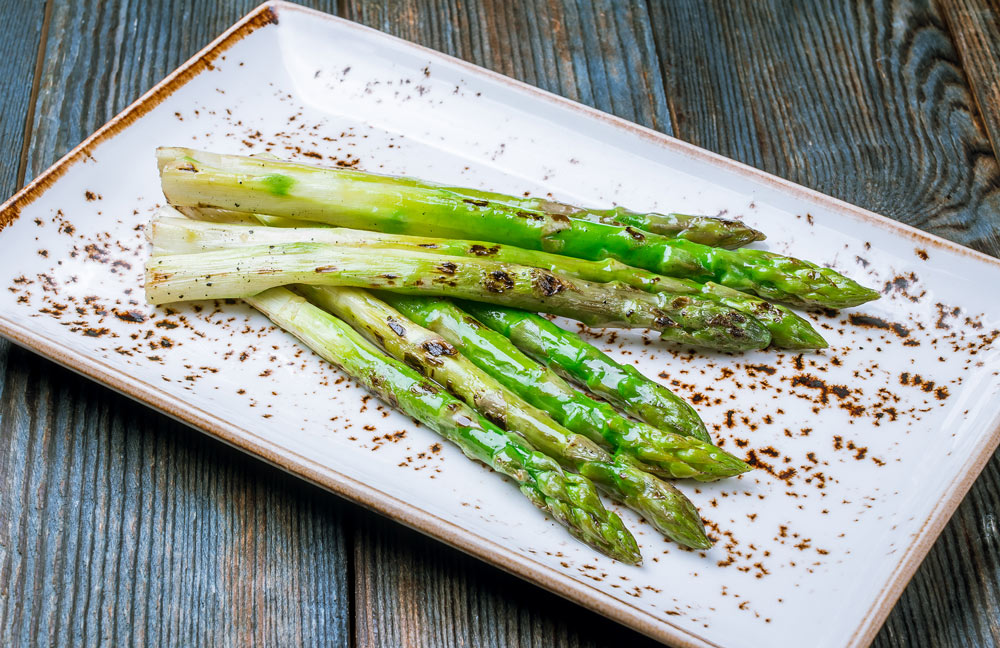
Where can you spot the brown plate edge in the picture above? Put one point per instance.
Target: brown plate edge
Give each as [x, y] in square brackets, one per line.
[263, 15]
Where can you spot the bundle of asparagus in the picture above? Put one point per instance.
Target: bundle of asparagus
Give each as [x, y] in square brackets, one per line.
[305, 245]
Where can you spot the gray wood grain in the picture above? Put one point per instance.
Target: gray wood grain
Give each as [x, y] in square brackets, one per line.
[118, 526]
[23, 32]
[18, 61]
[975, 28]
[121, 527]
[864, 101]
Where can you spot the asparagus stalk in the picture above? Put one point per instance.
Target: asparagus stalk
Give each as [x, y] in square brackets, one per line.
[241, 272]
[195, 179]
[661, 504]
[570, 499]
[181, 236]
[543, 388]
[788, 330]
[707, 230]
[570, 356]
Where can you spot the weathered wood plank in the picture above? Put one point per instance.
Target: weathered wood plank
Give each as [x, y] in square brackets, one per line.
[121, 526]
[867, 103]
[975, 26]
[22, 35]
[18, 59]
[118, 525]
[863, 101]
[599, 53]
[414, 591]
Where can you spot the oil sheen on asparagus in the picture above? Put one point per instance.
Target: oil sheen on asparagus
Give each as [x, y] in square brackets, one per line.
[240, 272]
[542, 387]
[183, 235]
[661, 504]
[569, 355]
[367, 201]
[571, 499]
[707, 230]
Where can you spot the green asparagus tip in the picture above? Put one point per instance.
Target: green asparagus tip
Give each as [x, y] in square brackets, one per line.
[734, 332]
[666, 508]
[813, 340]
[689, 531]
[852, 294]
[740, 466]
[806, 338]
[725, 465]
[628, 552]
[742, 234]
[733, 465]
[607, 534]
[696, 542]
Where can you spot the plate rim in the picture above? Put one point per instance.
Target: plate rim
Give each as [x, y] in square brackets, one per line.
[386, 504]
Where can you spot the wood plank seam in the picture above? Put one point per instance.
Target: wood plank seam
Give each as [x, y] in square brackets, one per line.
[664, 74]
[948, 9]
[36, 83]
[351, 576]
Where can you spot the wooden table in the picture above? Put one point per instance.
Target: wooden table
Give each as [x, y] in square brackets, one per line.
[119, 526]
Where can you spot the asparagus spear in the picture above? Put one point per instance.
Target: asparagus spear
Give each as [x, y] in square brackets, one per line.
[569, 355]
[570, 499]
[661, 504]
[182, 235]
[707, 230]
[298, 191]
[540, 386]
[241, 272]
[788, 330]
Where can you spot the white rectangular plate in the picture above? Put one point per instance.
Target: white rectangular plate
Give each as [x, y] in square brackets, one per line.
[864, 450]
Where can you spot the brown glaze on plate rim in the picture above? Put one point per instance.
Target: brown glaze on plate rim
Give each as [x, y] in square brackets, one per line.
[390, 506]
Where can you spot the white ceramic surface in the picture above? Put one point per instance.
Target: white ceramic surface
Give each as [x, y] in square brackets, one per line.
[861, 458]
